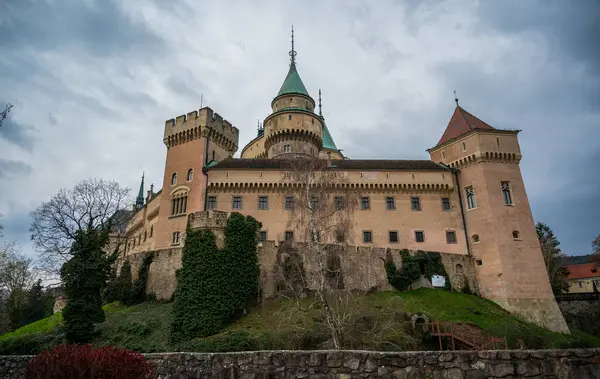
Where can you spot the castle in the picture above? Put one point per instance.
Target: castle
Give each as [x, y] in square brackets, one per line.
[468, 200]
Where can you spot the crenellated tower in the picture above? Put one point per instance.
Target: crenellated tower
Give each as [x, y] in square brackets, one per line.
[192, 141]
[499, 223]
[293, 129]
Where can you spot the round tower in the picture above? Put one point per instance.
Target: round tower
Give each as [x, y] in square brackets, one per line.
[293, 129]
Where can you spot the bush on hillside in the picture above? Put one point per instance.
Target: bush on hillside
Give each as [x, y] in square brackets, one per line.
[120, 288]
[214, 286]
[413, 266]
[86, 362]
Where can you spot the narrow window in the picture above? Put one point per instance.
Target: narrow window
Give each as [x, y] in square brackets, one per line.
[475, 238]
[506, 193]
[451, 236]
[390, 203]
[290, 116]
[174, 179]
[151, 230]
[184, 206]
[314, 203]
[289, 203]
[262, 235]
[289, 236]
[213, 155]
[445, 203]
[339, 203]
[175, 238]
[263, 202]
[415, 203]
[420, 236]
[393, 236]
[287, 148]
[443, 155]
[339, 236]
[580, 284]
[367, 236]
[364, 203]
[144, 236]
[464, 146]
[212, 203]
[498, 141]
[470, 197]
[236, 202]
[190, 175]
[516, 234]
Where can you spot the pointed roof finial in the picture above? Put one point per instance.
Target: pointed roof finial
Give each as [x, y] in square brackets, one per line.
[455, 98]
[320, 113]
[293, 51]
[139, 201]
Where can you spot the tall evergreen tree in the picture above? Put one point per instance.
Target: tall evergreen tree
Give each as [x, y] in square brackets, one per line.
[85, 276]
[37, 303]
[553, 257]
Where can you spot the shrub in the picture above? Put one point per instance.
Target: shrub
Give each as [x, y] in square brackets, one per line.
[138, 293]
[412, 267]
[119, 288]
[86, 362]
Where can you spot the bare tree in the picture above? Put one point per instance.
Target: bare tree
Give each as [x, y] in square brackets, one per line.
[16, 270]
[93, 204]
[321, 214]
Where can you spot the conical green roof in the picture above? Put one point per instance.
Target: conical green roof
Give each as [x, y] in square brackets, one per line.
[293, 83]
[327, 139]
[139, 201]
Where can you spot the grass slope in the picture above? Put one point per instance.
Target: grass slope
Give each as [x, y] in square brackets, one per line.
[278, 325]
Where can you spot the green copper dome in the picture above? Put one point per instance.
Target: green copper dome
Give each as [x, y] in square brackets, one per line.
[327, 139]
[293, 83]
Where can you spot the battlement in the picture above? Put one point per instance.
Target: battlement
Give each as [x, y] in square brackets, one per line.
[198, 123]
[215, 221]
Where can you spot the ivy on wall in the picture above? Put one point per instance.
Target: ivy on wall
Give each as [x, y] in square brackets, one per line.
[425, 263]
[138, 293]
[215, 285]
[119, 288]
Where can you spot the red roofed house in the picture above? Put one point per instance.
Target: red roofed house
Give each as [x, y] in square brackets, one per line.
[584, 277]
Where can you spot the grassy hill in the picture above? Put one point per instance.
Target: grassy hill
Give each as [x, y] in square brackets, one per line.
[377, 322]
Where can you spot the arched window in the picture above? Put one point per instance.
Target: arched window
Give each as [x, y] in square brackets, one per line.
[190, 175]
[505, 186]
[443, 154]
[516, 234]
[471, 204]
[464, 146]
[475, 238]
[174, 179]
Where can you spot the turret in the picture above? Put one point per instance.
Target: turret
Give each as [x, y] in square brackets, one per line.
[499, 223]
[293, 129]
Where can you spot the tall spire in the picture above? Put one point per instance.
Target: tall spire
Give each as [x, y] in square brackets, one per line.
[139, 201]
[320, 113]
[293, 51]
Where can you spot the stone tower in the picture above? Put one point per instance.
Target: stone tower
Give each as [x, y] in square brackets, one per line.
[293, 128]
[500, 227]
[193, 141]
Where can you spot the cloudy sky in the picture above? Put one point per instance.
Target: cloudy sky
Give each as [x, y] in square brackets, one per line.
[92, 83]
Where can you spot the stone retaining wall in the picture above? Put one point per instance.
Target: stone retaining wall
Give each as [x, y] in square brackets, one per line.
[561, 364]
[581, 311]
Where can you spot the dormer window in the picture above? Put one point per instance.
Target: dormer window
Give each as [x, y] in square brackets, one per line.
[174, 179]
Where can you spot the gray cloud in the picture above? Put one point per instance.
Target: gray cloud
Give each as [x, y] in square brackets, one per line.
[94, 82]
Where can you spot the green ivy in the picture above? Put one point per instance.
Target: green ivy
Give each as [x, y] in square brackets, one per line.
[430, 262]
[215, 285]
[119, 288]
[138, 293]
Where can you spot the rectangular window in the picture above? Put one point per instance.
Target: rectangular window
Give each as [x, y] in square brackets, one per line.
[506, 193]
[470, 193]
[339, 236]
[339, 203]
[580, 284]
[175, 238]
[390, 203]
[445, 203]
[236, 202]
[178, 206]
[212, 203]
[420, 236]
[314, 203]
[262, 235]
[364, 203]
[289, 236]
[451, 237]
[151, 230]
[367, 236]
[287, 148]
[263, 202]
[415, 203]
[393, 236]
[289, 203]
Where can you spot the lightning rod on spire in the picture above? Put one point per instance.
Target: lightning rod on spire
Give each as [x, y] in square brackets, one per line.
[455, 98]
[320, 114]
[293, 51]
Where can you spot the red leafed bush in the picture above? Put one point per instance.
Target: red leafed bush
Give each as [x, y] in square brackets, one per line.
[87, 362]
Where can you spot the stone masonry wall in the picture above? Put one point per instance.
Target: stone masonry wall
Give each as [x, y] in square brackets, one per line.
[581, 311]
[559, 364]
